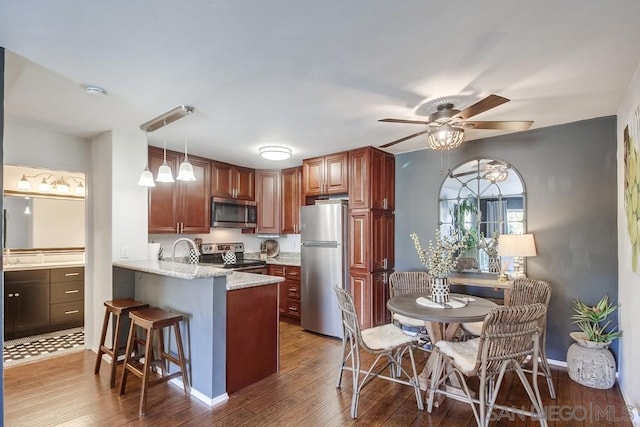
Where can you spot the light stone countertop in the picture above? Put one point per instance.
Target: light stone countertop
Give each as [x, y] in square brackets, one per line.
[235, 279]
[286, 258]
[42, 266]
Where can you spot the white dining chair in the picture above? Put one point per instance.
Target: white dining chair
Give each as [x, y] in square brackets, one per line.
[387, 342]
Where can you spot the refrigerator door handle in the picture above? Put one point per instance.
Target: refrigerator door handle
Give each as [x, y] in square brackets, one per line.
[321, 244]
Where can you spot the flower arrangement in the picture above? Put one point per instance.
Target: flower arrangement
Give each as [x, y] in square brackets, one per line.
[441, 257]
[590, 320]
[490, 247]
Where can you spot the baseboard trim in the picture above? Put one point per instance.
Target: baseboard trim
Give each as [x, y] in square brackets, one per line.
[200, 396]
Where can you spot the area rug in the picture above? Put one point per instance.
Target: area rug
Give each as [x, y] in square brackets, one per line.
[38, 347]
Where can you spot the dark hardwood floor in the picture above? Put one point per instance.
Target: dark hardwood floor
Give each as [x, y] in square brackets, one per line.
[64, 391]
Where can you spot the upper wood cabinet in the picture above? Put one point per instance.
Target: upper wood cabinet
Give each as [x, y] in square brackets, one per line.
[180, 207]
[291, 200]
[230, 181]
[371, 179]
[326, 175]
[269, 201]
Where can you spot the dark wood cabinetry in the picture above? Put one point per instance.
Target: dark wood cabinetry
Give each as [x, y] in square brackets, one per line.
[39, 301]
[67, 297]
[372, 232]
[268, 199]
[26, 302]
[291, 200]
[180, 207]
[326, 175]
[371, 179]
[289, 300]
[230, 181]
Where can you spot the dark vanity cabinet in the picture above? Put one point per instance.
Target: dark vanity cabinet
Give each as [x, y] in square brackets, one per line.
[26, 302]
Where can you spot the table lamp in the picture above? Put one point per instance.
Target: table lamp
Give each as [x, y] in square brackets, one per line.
[517, 246]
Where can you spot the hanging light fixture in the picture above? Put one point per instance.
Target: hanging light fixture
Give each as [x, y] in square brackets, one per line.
[185, 173]
[496, 174]
[44, 186]
[164, 171]
[24, 183]
[146, 177]
[275, 152]
[445, 137]
[52, 183]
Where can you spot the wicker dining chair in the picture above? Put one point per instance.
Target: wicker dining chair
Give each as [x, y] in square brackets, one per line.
[387, 342]
[528, 291]
[406, 282]
[509, 335]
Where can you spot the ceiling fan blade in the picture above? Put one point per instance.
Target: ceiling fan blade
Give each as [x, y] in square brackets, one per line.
[481, 106]
[413, 122]
[397, 141]
[500, 125]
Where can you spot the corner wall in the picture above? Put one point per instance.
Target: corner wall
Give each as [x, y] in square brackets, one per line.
[569, 175]
[629, 282]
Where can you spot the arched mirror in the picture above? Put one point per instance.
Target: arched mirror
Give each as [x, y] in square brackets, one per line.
[482, 198]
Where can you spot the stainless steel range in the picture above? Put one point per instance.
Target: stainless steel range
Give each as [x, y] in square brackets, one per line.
[230, 255]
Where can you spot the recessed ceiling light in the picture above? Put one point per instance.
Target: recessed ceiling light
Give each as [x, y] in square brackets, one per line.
[95, 90]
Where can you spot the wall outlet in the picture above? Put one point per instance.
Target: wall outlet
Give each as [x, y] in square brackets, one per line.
[124, 252]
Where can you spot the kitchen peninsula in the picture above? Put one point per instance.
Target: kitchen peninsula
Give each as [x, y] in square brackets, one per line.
[230, 332]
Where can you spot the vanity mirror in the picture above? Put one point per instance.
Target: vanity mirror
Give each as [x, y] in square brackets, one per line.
[482, 198]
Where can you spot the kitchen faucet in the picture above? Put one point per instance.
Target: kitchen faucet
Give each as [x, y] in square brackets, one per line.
[189, 241]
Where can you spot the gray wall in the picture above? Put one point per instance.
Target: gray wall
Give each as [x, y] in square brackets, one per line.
[569, 172]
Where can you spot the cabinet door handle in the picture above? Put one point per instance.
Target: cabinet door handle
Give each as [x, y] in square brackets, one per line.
[291, 308]
[10, 295]
[72, 312]
[71, 274]
[293, 290]
[74, 291]
[384, 203]
[16, 294]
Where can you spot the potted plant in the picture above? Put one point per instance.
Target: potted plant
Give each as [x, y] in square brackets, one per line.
[593, 322]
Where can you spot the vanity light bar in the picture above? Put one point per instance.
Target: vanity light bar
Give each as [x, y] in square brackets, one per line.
[169, 117]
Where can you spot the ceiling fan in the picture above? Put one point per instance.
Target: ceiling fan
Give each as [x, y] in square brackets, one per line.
[445, 127]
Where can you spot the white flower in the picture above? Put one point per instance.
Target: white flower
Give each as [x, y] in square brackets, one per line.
[439, 258]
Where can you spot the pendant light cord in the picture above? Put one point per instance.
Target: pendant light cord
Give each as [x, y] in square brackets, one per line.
[186, 135]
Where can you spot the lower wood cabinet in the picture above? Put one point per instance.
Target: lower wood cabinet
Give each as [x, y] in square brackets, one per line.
[289, 300]
[40, 301]
[370, 293]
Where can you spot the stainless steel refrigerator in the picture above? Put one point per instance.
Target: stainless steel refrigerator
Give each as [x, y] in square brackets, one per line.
[324, 256]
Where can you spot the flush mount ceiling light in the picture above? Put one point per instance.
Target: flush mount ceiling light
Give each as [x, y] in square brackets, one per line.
[275, 152]
[445, 137]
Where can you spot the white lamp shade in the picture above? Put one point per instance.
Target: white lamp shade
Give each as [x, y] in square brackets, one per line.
[44, 186]
[80, 190]
[520, 245]
[275, 152]
[24, 184]
[146, 178]
[164, 173]
[185, 173]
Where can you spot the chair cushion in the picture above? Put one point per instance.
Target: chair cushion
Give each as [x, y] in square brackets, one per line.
[385, 337]
[408, 321]
[463, 353]
[474, 328]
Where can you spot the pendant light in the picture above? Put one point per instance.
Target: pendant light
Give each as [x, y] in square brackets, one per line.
[164, 171]
[146, 177]
[185, 173]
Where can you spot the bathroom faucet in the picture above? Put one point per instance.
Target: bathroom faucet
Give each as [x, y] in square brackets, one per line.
[189, 241]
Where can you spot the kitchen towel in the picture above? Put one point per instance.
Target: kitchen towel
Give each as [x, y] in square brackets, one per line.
[453, 303]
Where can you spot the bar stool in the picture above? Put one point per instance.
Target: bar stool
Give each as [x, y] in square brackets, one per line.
[116, 307]
[153, 319]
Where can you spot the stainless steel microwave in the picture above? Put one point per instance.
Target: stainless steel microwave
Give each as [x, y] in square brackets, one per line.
[233, 213]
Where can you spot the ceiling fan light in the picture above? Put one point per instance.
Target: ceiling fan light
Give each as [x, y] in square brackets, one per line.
[185, 173]
[24, 184]
[146, 178]
[445, 137]
[496, 174]
[44, 186]
[275, 152]
[164, 173]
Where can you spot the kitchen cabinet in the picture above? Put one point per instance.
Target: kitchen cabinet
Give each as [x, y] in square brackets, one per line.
[67, 297]
[26, 303]
[326, 175]
[180, 206]
[370, 293]
[291, 200]
[268, 201]
[233, 182]
[371, 179]
[289, 300]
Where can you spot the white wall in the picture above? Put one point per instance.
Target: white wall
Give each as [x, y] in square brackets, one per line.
[629, 282]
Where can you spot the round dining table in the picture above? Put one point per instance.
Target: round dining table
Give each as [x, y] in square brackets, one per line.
[442, 322]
